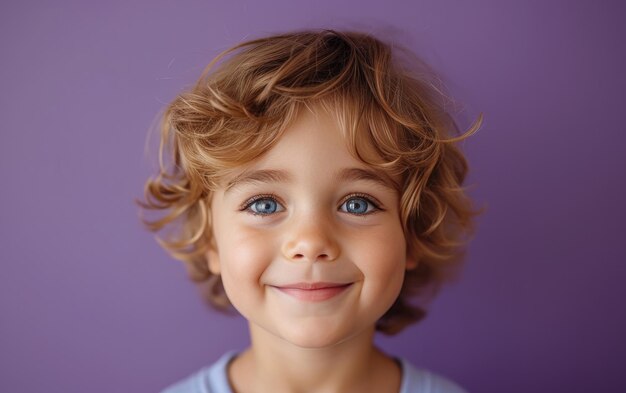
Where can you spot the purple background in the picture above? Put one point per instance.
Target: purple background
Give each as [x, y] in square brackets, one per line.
[90, 303]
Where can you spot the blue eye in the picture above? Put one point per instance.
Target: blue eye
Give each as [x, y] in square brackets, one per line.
[359, 206]
[264, 206]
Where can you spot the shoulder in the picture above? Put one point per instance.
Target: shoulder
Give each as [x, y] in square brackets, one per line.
[416, 380]
[210, 379]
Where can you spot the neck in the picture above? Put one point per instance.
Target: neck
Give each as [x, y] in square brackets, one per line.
[272, 364]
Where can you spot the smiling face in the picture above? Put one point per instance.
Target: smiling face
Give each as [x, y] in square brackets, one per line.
[308, 239]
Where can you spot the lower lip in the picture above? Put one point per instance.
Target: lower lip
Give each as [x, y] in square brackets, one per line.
[314, 295]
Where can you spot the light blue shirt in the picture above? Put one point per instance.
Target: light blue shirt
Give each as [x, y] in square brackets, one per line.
[214, 379]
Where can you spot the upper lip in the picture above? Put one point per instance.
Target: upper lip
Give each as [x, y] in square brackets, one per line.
[313, 285]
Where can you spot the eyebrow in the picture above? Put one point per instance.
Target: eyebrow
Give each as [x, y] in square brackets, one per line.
[280, 176]
[355, 174]
[259, 176]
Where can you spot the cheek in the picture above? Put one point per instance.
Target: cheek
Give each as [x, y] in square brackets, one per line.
[244, 255]
[383, 262]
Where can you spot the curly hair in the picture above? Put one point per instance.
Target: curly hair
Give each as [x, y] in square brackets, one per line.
[249, 94]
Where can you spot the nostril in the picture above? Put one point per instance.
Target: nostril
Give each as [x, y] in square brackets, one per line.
[319, 257]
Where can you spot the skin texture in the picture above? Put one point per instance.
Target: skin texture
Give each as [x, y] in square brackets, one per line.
[310, 226]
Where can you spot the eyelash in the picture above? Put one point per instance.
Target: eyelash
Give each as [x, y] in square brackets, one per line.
[250, 201]
[371, 200]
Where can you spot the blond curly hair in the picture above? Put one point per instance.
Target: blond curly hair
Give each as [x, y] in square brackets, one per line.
[385, 98]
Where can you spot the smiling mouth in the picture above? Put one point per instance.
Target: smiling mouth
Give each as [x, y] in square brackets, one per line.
[313, 292]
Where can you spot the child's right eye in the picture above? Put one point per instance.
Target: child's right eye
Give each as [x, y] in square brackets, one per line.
[262, 205]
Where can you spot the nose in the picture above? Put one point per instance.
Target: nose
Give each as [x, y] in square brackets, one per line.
[310, 240]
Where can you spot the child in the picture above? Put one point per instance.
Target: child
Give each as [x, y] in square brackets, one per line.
[313, 189]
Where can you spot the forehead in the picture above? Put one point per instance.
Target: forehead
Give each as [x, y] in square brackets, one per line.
[317, 140]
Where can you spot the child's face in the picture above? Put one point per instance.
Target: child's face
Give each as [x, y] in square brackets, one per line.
[308, 212]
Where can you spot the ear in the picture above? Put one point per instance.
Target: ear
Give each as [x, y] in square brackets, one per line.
[213, 260]
[411, 261]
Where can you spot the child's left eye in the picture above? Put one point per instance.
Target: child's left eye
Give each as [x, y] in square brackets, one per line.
[359, 205]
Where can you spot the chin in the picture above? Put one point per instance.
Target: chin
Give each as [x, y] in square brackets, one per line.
[313, 342]
[317, 337]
